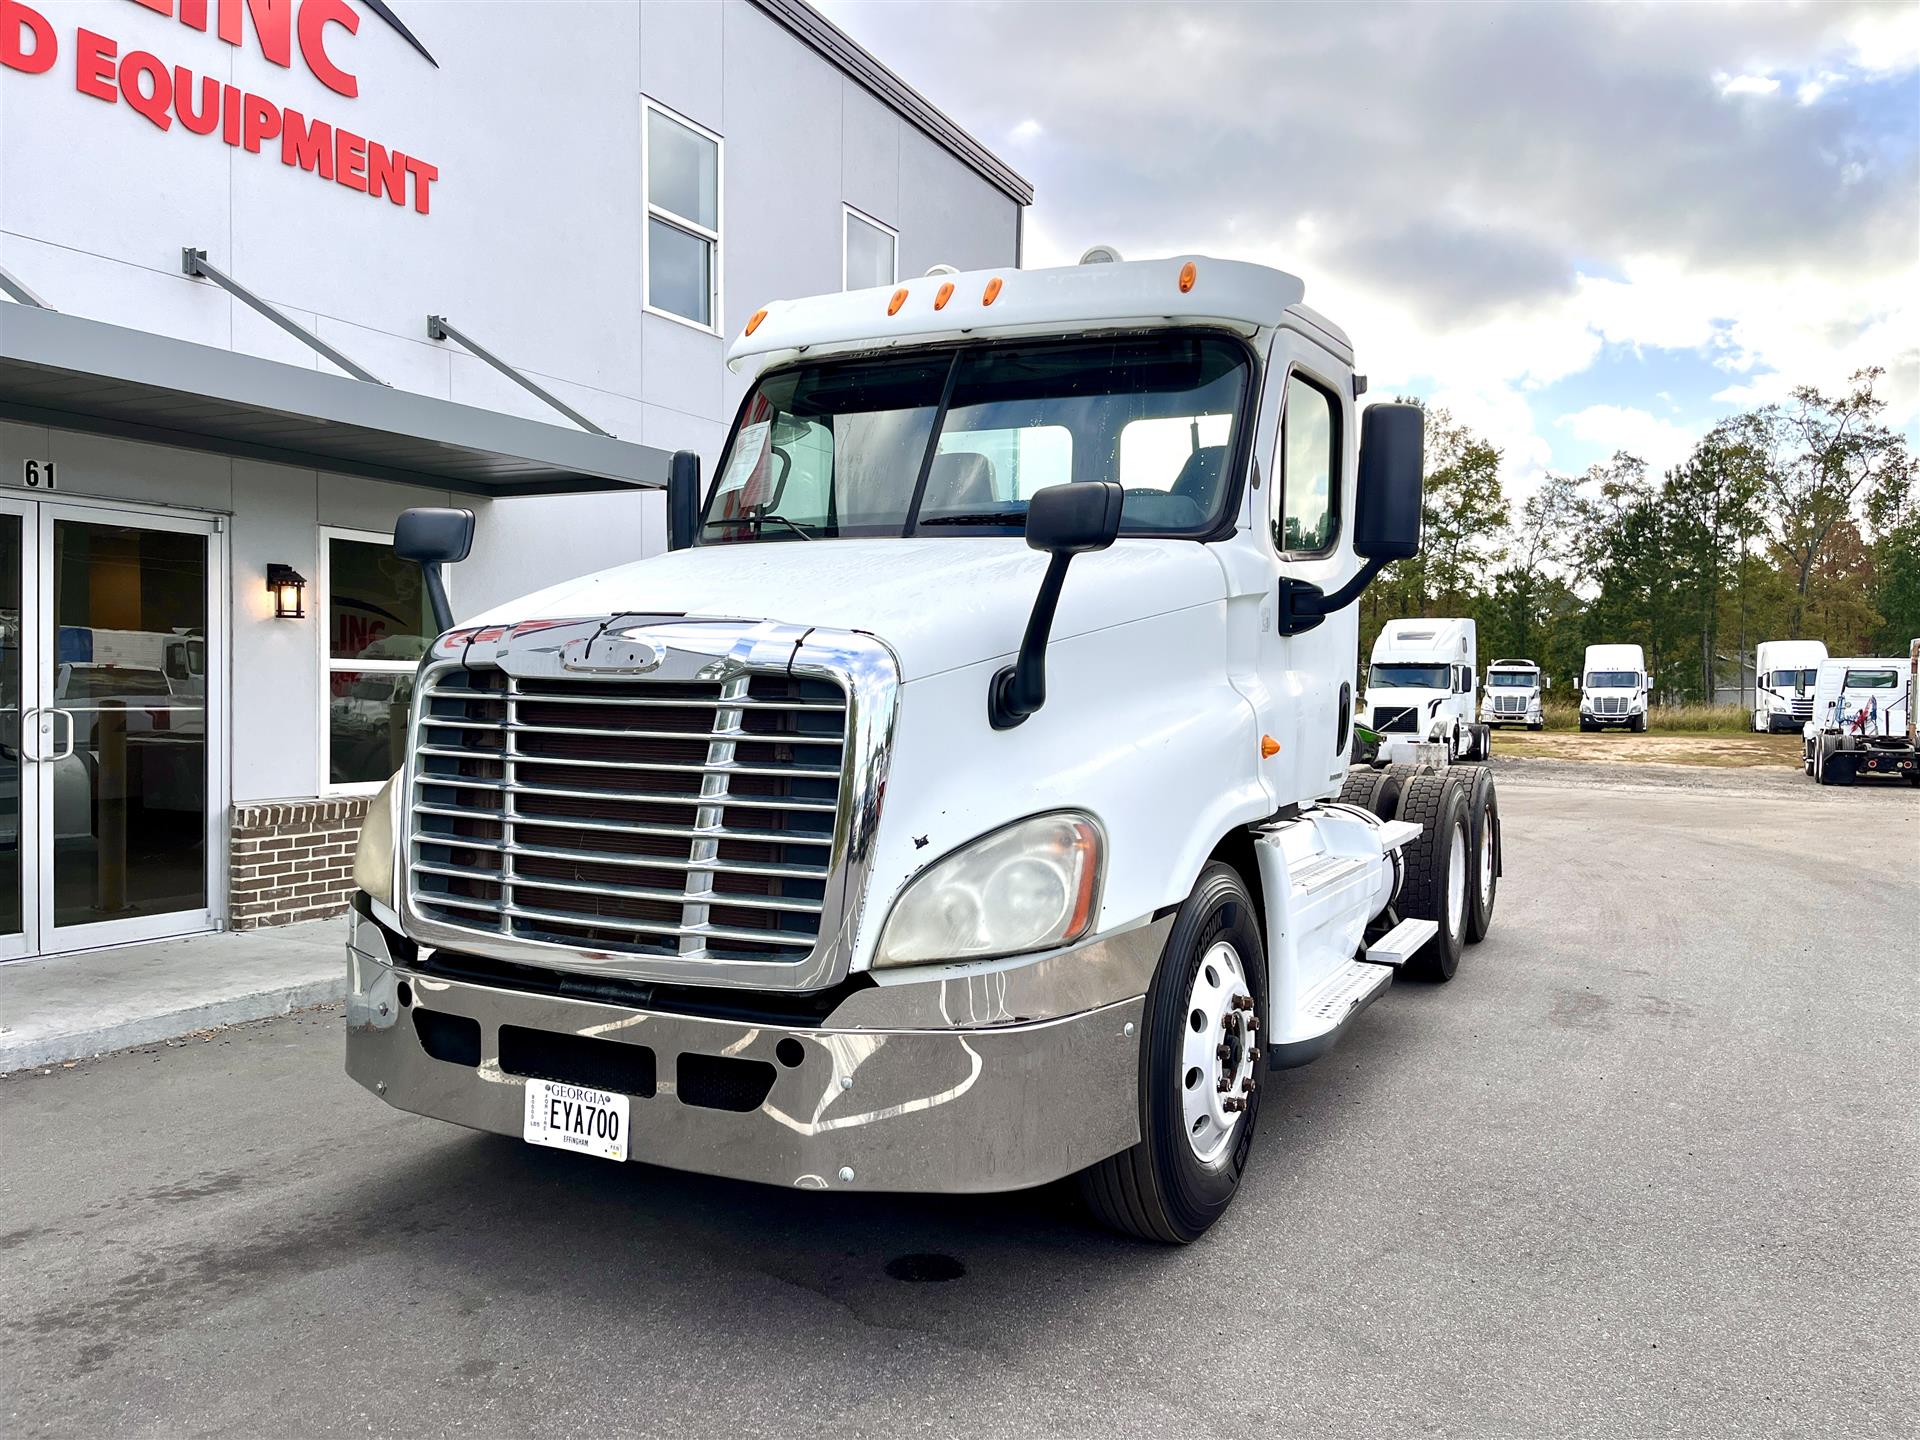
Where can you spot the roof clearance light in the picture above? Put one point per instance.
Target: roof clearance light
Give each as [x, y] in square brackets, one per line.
[899, 299]
[1188, 274]
[753, 322]
[992, 292]
[945, 294]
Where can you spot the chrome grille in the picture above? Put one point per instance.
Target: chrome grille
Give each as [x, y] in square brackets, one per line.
[1610, 705]
[1803, 707]
[1510, 704]
[691, 819]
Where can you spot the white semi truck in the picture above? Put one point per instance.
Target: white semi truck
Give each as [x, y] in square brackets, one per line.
[1863, 719]
[1421, 680]
[1516, 694]
[1615, 688]
[956, 806]
[1783, 677]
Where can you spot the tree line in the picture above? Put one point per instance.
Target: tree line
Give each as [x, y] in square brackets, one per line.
[1798, 520]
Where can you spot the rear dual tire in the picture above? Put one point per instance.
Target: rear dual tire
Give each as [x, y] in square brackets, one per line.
[1439, 868]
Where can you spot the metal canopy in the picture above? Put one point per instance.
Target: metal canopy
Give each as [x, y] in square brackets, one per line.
[85, 375]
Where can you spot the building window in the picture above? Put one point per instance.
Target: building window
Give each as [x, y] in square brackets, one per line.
[682, 245]
[377, 626]
[869, 253]
[1305, 498]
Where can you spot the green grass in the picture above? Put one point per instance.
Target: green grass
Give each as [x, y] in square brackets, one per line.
[1689, 719]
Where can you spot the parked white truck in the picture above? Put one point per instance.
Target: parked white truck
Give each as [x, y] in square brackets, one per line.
[1863, 719]
[1783, 678]
[1420, 688]
[1516, 694]
[1615, 688]
[954, 808]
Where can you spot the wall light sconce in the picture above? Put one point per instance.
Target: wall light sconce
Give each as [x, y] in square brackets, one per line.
[289, 590]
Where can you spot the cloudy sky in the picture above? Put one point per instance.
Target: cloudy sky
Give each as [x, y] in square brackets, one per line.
[1580, 227]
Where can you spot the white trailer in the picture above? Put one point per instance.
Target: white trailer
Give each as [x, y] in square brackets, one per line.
[1615, 688]
[1783, 680]
[1863, 719]
[1420, 688]
[1516, 694]
[956, 807]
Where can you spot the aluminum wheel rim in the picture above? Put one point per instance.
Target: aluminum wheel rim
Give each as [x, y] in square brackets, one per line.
[1217, 1053]
[1457, 879]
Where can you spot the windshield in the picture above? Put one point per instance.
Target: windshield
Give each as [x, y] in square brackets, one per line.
[1871, 680]
[89, 681]
[1513, 679]
[1793, 679]
[1612, 680]
[961, 439]
[1424, 677]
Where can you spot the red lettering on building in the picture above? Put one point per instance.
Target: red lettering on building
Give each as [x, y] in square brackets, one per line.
[16, 23]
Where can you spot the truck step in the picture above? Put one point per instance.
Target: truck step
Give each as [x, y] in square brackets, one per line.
[1395, 833]
[1401, 943]
[1324, 870]
[1325, 1011]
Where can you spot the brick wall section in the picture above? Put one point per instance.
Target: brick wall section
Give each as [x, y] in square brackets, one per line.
[292, 859]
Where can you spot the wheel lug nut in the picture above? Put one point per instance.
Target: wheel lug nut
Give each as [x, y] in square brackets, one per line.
[1253, 1056]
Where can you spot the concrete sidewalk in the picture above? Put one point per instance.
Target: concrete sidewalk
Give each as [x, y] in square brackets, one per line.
[65, 1007]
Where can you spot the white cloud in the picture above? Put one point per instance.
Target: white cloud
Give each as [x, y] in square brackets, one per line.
[1028, 129]
[1746, 84]
[1661, 443]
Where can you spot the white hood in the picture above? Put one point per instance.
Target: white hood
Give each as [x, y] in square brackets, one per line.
[940, 603]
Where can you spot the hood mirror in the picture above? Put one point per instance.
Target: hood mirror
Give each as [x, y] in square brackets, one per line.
[1064, 521]
[432, 537]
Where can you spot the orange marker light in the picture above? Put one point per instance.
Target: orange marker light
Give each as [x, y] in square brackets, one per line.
[1189, 274]
[753, 322]
[899, 299]
[1269, 747]
[943, 296]
[992, 292]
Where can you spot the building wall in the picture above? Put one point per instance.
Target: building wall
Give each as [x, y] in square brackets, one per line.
[532, 240]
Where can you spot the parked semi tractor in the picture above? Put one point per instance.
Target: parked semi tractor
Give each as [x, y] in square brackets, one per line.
[956, 806]
[1420, 688]
[1783, 679]
[1863, 719]
[1615, 688]
[1516, 694]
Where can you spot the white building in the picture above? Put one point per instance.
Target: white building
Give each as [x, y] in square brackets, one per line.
[223, 229]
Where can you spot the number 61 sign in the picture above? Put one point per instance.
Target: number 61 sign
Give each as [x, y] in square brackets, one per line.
[40, 474]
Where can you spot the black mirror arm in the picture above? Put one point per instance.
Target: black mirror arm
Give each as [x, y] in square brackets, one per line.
[1021, 688]
[437, 596]
[1303, 605]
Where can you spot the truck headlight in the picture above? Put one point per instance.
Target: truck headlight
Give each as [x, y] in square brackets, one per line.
[1030, 886]
[373, 856]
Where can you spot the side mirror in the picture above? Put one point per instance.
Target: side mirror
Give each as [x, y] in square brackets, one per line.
[683, 499]
[1546, 682]
[1386, 522]
[432, 538]
[1064, 521]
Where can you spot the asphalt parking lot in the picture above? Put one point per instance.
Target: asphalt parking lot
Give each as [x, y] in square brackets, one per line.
[1646, 1167]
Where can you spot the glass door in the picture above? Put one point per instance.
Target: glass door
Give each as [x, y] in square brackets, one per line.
[125, 739]
[19, 831]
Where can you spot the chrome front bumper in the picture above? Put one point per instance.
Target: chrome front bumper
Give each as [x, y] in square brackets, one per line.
[998, 1080]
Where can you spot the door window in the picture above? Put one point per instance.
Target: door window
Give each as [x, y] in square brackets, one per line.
[378, 628]
[1304, 500]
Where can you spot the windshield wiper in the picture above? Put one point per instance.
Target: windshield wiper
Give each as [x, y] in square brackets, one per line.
[985, 517]
[761, 517]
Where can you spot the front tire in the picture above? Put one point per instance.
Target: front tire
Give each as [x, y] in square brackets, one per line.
[1195, 1136]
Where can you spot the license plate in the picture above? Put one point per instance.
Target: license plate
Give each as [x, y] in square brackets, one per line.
[574, 1117]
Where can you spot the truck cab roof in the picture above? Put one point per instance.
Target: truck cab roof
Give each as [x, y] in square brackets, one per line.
[1125, 295]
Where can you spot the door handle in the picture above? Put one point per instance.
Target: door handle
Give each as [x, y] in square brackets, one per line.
[66, 715]
[30, 733]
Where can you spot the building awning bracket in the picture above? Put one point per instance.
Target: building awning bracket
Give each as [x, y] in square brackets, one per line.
[20, 292]
[439, 329]
[194, 262]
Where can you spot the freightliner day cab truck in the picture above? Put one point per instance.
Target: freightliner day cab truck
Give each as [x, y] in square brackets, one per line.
[956, 806]
[1783, 676]
[1516, 694]
[1421, 681]
[1615, 688]
[1863, 719]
